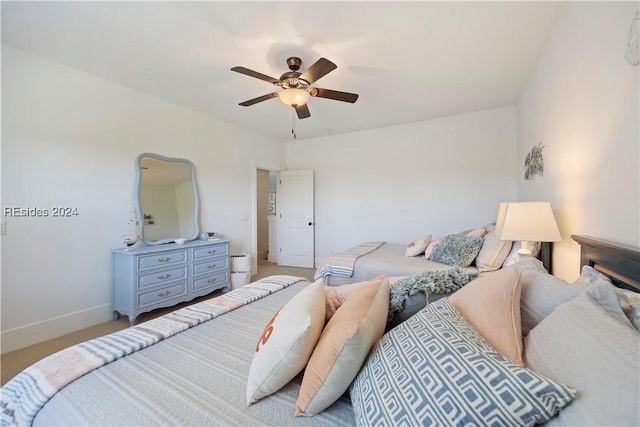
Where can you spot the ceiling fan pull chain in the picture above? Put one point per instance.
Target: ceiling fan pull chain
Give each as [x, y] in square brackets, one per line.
[293, 123]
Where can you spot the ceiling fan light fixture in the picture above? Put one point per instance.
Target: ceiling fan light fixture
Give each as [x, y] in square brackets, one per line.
[294, 97]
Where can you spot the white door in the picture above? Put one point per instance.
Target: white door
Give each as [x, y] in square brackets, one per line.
[295, 219]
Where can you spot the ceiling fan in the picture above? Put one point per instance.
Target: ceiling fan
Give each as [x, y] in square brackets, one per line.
[296, 86]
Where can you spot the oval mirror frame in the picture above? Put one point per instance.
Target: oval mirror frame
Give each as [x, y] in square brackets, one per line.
[139, 212]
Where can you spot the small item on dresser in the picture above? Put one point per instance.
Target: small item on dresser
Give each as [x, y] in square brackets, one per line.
[204, 236]
[181, 241]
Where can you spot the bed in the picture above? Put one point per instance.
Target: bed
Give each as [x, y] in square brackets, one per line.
[197, 374]
[370, 259]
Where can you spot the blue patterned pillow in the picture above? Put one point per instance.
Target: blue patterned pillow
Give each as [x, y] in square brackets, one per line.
[434, 369]
[457, 250]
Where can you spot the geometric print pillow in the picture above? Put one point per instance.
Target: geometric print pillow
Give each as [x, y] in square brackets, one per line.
[434, 369]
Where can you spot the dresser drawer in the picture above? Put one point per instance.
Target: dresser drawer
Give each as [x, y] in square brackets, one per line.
[210, 251]
[215, 280]
[211, 266]
[176, 290]
[147, 262]
[148, 280]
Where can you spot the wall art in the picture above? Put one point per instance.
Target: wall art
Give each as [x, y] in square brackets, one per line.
[534, 162]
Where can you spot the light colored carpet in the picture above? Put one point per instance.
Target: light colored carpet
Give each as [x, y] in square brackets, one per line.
[13, 362]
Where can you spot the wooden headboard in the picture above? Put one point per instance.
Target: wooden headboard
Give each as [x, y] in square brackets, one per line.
[620, 263]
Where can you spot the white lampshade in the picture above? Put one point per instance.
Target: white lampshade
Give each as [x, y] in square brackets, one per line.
[294, 97]
[527, 221]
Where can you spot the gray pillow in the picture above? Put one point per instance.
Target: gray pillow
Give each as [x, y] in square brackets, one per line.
[457, 250]
[541, 292]
[581, 345]
[597, 284]
[435, 369]
[412, 305]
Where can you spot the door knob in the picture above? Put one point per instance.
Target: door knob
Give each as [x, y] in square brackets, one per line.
[310, 223]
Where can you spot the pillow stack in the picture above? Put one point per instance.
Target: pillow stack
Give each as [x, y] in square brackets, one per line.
[297, 336]
[453, 364]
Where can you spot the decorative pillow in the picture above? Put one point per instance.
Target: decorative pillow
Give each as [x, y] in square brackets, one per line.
[431, 246]
[628, 301]
[337, 295]
[287, 342]
[514, 257]
[343, 347]
[493, 253]
[580, 344]
[541, 292]
[430, 282]
[491, 304]
[434, 369]
[417, 247]
[457, 250]
[476, 232]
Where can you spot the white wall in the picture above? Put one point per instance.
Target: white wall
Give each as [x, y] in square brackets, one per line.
[70, 139]
[397, 183]
[582, 102]
[160, 202]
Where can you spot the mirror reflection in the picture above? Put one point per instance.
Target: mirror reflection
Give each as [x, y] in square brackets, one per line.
[167, 199]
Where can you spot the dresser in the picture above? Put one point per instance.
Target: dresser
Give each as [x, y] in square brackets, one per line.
[150, 277]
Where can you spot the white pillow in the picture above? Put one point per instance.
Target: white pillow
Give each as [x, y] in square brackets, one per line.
[541, 292]
[287, 342]
[514, 257]
[417, 247]
[628, 301]
[579, 344]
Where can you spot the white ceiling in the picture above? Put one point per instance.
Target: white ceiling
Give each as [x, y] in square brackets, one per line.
[408, 61]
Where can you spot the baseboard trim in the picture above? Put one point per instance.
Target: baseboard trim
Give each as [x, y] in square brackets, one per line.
[37, 332]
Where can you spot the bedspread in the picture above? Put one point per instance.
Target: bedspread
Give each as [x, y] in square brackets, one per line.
[342, 264]
[24, 395]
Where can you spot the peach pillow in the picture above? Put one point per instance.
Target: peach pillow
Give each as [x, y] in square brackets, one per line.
[287, 342]
[476, 232]
[431, 246]
[337, 295]
[493, 253]
[343, 347]
[491, 304]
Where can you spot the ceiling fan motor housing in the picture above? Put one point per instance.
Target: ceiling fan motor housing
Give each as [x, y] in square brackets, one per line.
[294, 63]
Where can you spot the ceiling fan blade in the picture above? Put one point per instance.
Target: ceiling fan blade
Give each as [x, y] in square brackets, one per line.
[334, 94]
[319, 69]
[303, 111]
[259, 99]
[257, 75]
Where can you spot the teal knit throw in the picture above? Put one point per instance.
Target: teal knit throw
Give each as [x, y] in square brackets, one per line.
[429, 282]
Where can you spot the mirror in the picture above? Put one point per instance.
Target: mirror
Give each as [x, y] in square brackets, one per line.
[167, 199]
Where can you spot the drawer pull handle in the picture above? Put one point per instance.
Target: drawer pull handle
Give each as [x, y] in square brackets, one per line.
[211, 266]
[166, 259]
[212, 280]
[163, 277]
[212, 251]
[164, 294]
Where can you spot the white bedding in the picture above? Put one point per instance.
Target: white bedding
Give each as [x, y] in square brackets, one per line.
[388, 259]
[197, 377]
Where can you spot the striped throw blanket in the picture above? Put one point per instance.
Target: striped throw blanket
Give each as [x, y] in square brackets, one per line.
[23, 396]
[342, 264]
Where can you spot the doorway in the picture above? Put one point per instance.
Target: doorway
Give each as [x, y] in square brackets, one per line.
[265, 215]
[264, 184]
